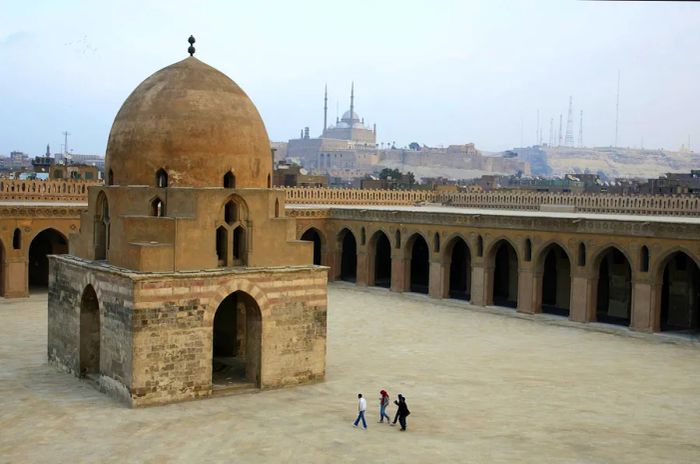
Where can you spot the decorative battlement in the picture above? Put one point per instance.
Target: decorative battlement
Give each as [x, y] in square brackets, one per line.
[45, 190]
[523, 201]
[601, 203]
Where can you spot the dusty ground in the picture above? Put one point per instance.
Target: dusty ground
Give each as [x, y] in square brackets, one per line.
[481, 388]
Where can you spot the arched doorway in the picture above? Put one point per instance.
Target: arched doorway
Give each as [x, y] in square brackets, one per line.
[236, 342]
[89, 333]
[555, 268]
[459, 278]
[420, 264]
[680, 294]
[47, 242]
[380, 247]
[505, 275]
[313, 235]
[348, 256]
[614, 296]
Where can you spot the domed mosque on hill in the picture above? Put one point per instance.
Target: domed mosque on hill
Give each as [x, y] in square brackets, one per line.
[184, 280]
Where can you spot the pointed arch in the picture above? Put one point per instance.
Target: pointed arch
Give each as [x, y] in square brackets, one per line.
[230, 180]
[418, 254]
[348, 255]
[157, 207]
[379, 252]
[503, 260]
[614, 289]
[314, 235]
[554, 287]
[161, 178]
[17, 239]
[458, 268]
[90, 339]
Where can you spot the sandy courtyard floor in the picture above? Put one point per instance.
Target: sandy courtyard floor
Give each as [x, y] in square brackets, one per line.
[481, 388]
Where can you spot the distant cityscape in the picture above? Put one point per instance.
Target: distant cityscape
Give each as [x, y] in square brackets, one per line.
[346, 154]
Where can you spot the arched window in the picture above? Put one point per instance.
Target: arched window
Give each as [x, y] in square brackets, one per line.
[17, 239]
[102, 227]
[581, 254]
[231, 212]
[363, 236]
[161, 178]
[269, 182]
[110, 178]
[229, 180]
[644, 259]
[436, 243]
[277, 208]
[157, 207]
[398, 238]
[528, 249]
[239, 244]
[479, 246]
[221, 250]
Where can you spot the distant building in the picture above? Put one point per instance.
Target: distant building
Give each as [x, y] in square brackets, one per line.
[347, 145]
[293, 175]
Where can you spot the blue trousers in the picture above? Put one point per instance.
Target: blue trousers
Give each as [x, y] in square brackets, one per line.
[383, 414]
[361, 415]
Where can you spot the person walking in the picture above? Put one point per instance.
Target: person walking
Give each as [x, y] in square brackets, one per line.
[383, 404]
[402, 412]
[361, 408]
[396, 416]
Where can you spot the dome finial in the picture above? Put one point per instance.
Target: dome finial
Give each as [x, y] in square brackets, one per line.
[191, 49]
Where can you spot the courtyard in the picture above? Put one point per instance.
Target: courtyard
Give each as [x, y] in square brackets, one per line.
[482, 386]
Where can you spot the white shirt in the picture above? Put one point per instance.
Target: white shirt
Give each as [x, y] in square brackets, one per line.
[362, 406]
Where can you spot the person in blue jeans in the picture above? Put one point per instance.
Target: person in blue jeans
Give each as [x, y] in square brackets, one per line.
[383, 404]
[361, 408]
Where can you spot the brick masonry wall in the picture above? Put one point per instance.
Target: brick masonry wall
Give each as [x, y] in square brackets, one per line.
[156, 329]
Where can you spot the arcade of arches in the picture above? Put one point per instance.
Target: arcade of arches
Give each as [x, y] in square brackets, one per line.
[648, 281]
[25, 244]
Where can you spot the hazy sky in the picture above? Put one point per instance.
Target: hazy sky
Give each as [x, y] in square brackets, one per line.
[436, 72]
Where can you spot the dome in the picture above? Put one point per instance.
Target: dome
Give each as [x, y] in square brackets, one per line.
[346, 117]
[195, 123]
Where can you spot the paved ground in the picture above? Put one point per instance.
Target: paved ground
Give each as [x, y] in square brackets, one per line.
[481, 388]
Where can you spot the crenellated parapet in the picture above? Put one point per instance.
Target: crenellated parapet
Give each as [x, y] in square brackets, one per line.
[45, 190]
[664, 205]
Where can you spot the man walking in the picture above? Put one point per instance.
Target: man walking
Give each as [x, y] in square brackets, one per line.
[361, 408]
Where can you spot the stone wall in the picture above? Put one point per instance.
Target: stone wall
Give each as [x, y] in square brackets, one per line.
[156, 329]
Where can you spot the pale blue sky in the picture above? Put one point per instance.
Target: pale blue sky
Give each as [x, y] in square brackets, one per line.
[436, 72]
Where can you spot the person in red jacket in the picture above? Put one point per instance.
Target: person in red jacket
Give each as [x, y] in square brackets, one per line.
[383, 404]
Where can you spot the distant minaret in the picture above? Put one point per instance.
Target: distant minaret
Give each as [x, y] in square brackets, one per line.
[48, 151]
[352, 100]
[325, 108]
[569, 138]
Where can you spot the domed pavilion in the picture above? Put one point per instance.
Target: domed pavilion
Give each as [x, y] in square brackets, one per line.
[182, 281]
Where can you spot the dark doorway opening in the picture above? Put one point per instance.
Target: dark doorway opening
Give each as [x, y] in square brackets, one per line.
[237, 342]
[505, 278]
[460, 271]
[680, 295]
[348, 257]
[312, 235]
[89, 333]
[420, 265]
[47, 242]
[382, 260]
[556, 281]
[614, 288]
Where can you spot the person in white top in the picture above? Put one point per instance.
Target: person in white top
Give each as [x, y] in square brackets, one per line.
[361, 408]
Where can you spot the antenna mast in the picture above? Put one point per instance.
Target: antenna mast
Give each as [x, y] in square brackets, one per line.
[561, 117]
[580, 130]
[569, 139]
[617, 107]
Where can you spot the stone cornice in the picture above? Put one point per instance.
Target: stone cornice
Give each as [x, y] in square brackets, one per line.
[42, 211]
